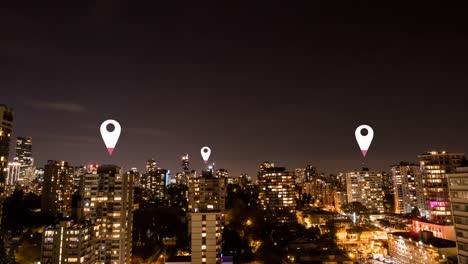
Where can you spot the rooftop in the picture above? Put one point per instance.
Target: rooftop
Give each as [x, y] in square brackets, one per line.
[430, 240]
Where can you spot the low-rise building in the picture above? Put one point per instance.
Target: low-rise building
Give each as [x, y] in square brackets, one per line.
[420, 248]
[440, 231]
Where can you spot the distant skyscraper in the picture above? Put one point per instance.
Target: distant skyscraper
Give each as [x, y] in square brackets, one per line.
[435, 167]
[365, 187]
[24, 154]
[277, 189]
[136, 176]
[107, 199]
[311, 173]
[185, 164]
[57, 188]
[299, 173]
[182, 178]
[68, 242]
[207, 195]
[154, 181]
[458, 186]
[405, 185]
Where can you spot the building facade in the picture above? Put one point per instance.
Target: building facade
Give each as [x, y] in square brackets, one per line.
[365, 187]
[13, 173]
[154, 181]
[68, 242]
[419, 248]
[277, 189]
[405, 179]
[57, 188]
[458, 186]
[24, 154]
[435, 167]
[107, 200]
[6, 128]
[438, 230]
[207, 195]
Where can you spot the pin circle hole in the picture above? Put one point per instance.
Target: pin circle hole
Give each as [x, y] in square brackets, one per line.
[364, 132]
[110, 127]
[205, 150]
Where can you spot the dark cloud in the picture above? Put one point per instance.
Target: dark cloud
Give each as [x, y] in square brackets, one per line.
[59, 106]
[140, 131]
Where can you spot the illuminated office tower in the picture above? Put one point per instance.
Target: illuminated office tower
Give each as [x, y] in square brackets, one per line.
[57, 188]
[68, 242]
[185, 164]
[435, 166]
[458, 186]
[182, 177]
[13, 172]
[405, 185]
[107, 200]
[154, 181]
[365, 187]
[23, 154]
[207, 195]
[276, 189]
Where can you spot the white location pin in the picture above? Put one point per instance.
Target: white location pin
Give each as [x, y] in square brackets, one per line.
[364, 141]
[205, 152]
[110, 138]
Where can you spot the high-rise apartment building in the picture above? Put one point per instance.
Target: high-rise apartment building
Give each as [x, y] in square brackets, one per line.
[68, 242]
[207, 192]
[154, 181]
[57, 188]
[458, 186]
[107, 201]
[207, 195]
[6, 128]
[24, 154]
[405, 185]
[365, 187]
[435, 167]
[276, 189]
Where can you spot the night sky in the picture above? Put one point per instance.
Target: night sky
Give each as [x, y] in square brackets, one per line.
[285, 83]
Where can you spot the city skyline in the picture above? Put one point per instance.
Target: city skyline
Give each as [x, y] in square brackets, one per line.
[295, 132]
[289, 84]
[196, 162]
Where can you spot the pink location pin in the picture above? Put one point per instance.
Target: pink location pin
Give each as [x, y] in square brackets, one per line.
[364, 141]
[110, 138]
